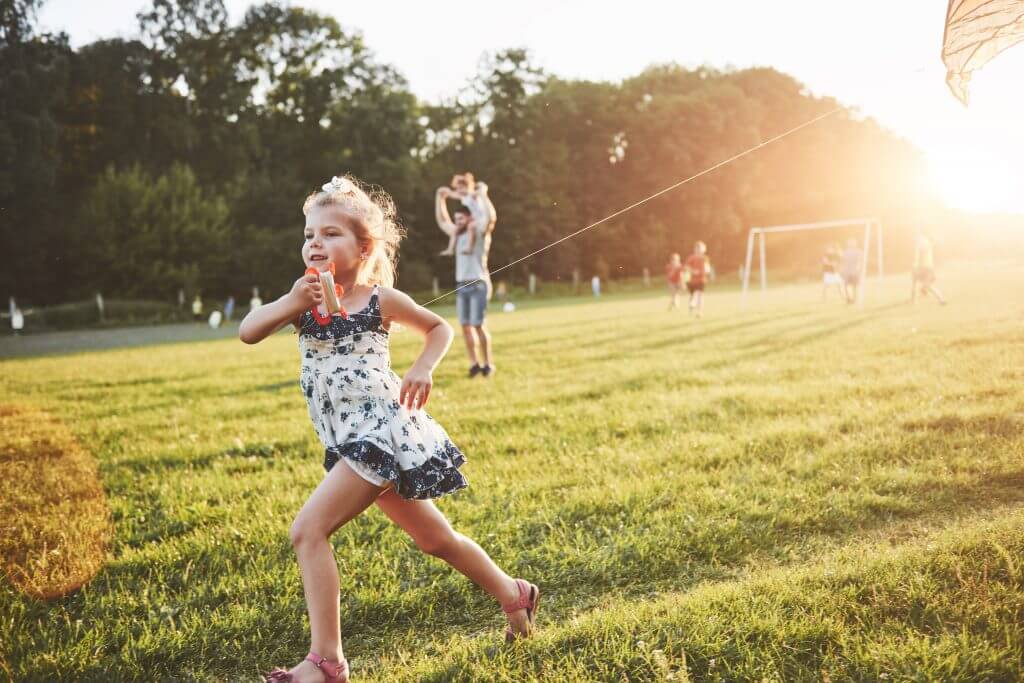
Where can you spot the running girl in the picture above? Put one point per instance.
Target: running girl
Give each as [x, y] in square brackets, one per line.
[380, 447]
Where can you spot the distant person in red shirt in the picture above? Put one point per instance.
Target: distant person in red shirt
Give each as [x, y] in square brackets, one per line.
[698, 267]
[674, 274]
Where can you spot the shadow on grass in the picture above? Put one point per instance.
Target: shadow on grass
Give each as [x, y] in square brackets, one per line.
[1007, 426]
[673, 340]
[151, 464]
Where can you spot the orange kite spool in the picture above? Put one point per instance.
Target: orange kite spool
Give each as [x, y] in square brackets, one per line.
[332, 295]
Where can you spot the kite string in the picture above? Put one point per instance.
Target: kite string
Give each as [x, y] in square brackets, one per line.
[632, 206]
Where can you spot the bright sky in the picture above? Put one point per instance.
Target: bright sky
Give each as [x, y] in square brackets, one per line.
[877, 55]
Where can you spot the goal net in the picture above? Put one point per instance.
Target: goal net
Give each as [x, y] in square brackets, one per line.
[872, 231]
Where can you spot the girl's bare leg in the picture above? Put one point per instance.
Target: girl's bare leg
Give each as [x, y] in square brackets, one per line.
[432, 534]
[340, 497]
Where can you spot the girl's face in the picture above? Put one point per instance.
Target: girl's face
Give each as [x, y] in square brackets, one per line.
[329, 238]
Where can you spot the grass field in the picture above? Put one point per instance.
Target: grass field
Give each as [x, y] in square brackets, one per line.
[795, 492]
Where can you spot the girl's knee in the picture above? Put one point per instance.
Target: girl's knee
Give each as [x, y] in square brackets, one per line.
[438, 545]
[302, 532]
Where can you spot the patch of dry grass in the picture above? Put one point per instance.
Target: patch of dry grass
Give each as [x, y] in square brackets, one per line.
[55, 519]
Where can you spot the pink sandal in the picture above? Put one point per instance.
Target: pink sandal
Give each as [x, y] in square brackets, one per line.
[334, 672]
[529, 599]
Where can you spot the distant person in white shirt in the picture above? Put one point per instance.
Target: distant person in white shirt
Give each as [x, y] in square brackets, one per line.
[923, 274]
[255, 302]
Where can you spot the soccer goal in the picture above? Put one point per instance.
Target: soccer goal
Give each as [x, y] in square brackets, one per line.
[872, 229]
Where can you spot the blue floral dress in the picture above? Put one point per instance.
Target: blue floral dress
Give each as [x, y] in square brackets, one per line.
[352, 395]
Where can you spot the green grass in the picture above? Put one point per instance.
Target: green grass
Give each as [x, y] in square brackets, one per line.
[792, 492]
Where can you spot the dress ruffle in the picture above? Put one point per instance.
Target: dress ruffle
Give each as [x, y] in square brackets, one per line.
[437, 476]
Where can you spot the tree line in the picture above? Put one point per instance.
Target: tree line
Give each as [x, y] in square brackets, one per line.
[179, 158]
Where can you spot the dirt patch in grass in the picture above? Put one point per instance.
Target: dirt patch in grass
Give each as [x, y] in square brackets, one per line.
[55, 520]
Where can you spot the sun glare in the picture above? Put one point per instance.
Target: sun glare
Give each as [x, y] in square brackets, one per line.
[979, 164]
[977, 180]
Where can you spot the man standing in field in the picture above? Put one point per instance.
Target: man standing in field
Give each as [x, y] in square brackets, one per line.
[476, 215]
[850, 267]
[923, 275]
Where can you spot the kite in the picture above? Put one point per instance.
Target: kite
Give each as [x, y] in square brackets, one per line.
[977, 31]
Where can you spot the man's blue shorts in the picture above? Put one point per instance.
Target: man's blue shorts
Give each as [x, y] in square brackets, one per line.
[471, 303]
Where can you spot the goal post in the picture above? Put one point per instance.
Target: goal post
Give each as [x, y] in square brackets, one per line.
[872, 228]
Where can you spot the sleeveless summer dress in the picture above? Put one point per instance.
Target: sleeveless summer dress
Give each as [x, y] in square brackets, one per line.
[352, 396]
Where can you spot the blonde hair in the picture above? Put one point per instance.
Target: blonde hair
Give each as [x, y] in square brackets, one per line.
[375, 224]
[700, 246]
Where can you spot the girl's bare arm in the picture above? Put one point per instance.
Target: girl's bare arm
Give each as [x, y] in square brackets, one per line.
[266, 320]
[437, 333]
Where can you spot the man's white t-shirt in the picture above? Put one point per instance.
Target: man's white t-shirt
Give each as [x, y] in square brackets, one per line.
[473, 266]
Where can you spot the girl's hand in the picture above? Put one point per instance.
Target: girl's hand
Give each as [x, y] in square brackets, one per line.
[307, 292]
[444, 192]
[416, 387]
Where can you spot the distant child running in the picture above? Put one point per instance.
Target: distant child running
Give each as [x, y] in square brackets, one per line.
[698, 267]
[380, 447]
[830, 272]
[674, 275]
[923, 275]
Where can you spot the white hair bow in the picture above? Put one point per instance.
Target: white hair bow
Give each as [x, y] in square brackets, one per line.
[338, 184]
